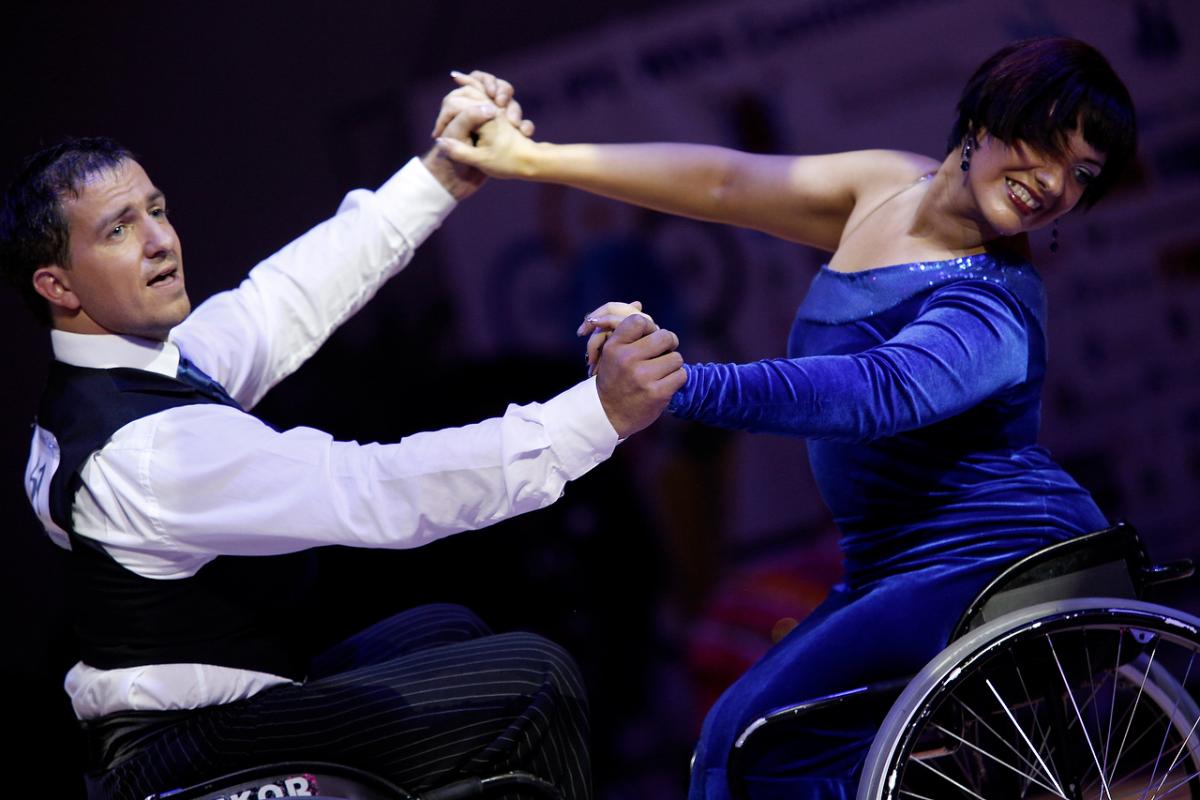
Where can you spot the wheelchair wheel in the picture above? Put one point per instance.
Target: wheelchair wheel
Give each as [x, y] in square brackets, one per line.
[1077, 699]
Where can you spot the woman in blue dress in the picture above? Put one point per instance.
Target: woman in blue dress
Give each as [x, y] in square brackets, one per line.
[914, 366]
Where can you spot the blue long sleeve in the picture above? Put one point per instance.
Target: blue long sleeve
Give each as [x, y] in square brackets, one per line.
[969, 341]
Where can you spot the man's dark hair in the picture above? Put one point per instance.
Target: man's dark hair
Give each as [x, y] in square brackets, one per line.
[33, 226]
[1037, 91]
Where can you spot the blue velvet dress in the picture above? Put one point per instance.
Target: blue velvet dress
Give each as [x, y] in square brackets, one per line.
[918, 389]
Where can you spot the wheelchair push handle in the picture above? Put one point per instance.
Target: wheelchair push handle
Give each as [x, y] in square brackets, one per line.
[1156, 574]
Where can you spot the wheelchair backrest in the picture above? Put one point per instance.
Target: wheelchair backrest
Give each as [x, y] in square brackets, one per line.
[1107, 563]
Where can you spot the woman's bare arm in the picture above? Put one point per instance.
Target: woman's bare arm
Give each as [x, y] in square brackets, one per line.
[803, 199]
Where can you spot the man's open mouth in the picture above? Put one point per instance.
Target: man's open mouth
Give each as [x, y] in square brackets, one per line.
[164, 277]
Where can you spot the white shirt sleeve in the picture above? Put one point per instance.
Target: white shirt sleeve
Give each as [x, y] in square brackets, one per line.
[252, 337]
[171, 491]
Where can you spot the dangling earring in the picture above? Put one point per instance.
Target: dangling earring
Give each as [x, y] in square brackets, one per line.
[968, 146]
[1054, 237]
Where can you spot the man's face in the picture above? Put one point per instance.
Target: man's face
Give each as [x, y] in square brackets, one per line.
[126, 271]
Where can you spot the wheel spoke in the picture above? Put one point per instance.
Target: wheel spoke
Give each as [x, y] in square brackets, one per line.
[1112, 705]
[999, 761]
[1091, 676]
[1037, 724]
[1082, 724]
[1134, 773]
[946, 777]
[1086, 703]
[1162, 746]
[1133, 709]
[1003, 739]
[1191, 777]
[1178, 754]
[1029, 744]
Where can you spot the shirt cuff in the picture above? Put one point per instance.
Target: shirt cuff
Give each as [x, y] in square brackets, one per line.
[414, 201]
[579, 430]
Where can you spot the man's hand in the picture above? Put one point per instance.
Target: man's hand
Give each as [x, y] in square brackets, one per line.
[638, 372]
[479, 98]
[481, 87]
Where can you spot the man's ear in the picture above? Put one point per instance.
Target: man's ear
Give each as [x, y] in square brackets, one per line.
[54, 283]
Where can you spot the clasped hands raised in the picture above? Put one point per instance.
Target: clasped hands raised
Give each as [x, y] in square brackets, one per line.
[636, 363]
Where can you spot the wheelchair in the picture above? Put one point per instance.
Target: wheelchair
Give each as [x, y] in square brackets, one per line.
[1060, 681]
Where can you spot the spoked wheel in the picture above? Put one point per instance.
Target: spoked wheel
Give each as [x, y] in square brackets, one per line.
[1079, 700]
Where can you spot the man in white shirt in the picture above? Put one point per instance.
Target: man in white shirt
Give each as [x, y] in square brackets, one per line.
[185, 515]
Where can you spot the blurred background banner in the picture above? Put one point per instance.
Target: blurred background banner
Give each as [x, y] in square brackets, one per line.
[671, 568]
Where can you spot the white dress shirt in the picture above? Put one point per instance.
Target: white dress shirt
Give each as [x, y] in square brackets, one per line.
[170, 492]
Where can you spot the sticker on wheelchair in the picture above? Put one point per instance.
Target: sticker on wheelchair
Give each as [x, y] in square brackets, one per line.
[290, 786]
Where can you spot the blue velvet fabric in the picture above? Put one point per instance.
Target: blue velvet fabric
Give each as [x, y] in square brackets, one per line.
[918, 389]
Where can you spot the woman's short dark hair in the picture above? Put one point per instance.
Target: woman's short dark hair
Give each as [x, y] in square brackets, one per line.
[1037, 91]
[33, 226]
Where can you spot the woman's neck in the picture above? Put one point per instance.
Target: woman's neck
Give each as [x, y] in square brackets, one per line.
[947, 215]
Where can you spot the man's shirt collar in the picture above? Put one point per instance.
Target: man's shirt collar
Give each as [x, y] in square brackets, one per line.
[105, 351]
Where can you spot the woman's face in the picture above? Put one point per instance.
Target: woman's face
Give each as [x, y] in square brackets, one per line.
[1018, 189]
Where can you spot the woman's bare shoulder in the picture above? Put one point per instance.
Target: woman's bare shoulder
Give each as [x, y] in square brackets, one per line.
[879, 170]
[809, 199]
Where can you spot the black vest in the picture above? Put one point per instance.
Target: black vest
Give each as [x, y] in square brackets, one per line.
[236, 611]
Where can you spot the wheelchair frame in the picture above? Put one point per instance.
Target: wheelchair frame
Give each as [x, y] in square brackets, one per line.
[1063, 733]
[1055, 586]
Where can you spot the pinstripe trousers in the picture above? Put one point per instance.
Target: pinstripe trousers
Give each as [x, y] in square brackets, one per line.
[422, 698]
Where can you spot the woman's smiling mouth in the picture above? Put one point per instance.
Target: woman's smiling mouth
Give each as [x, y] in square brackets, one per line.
[1022, 197]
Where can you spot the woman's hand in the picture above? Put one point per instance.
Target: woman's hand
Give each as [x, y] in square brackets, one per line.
[500, 149]
[601, 322]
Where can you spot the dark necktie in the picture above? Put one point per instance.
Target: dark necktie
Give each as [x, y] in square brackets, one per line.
[193, 376]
